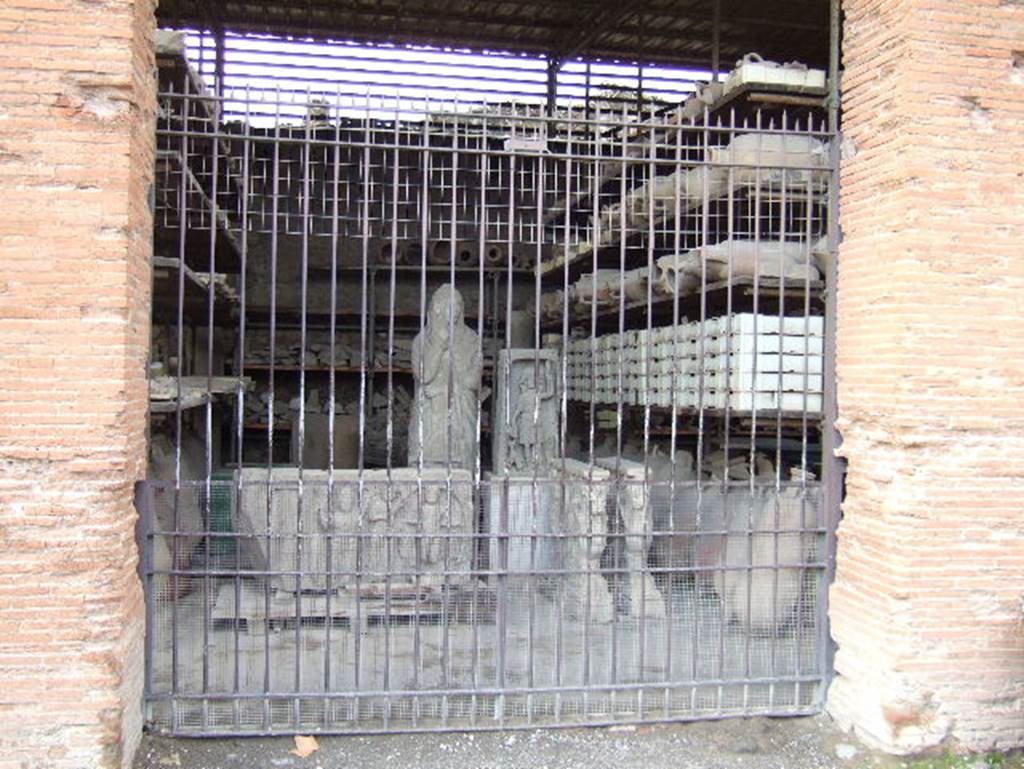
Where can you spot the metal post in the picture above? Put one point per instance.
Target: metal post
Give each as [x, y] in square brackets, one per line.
[716, 41]
[586, 96]
[554, 66]
[218, 63]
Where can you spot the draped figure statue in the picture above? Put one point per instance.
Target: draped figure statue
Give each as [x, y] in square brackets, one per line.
[447, 365]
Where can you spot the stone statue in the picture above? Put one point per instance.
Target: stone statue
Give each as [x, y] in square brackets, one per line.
[446, 364]
[633, 509]
[525, 425]
[582, 526]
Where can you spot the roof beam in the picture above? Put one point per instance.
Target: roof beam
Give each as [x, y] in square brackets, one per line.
[611, 15]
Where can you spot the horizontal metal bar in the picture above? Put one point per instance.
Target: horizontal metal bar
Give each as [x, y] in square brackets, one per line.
[488, 691]
[439, 111]
[339, 537]
[382, 576]
[521, 482]
[503, 726]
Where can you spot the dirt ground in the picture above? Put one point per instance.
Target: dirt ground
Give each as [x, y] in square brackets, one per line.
[755, 743]
[759, 743]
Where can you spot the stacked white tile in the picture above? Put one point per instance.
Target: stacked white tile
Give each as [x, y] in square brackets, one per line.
[764, 363]
[750, 362]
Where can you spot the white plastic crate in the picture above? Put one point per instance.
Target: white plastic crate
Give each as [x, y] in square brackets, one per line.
[764, 343]
[677, 349]
[786, 402]
[680, 398]
[663, 366]
[769, 362]
[762, 381]
[745, 323]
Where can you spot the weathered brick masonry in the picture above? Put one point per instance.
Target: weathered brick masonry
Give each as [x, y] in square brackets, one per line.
[76, 143]
[926, 606]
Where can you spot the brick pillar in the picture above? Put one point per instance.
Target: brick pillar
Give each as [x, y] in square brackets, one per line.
[76, 146]
[927, 601]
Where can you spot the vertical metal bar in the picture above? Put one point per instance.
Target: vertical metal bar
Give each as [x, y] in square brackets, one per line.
[364, 363]
[144, 508]
[730, 210]
[759, 181]
[450, 386]
[300, 529]
[831, 465]
[240, 395]
[563, 397]
[592, 406]
[676, 384]
[809, 208]
[538, 191]
[503, 593]
[615, 538]
[214, 222]
[269, 533]
[180, 354]
[389, 428]
[644, 390]
[483, 161]
[782, 224]
[701, 365]
[419, 365]
[332, 322]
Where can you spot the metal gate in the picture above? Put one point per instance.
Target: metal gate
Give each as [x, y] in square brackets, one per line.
[486, 415]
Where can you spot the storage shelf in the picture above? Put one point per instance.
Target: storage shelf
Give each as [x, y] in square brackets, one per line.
[716, 302]
[440, 269]
[291, 367]
[165, 396]
[743, 101]
[190, 401]
[609, 254]
[404, 321]
[278, 426]
[486, 371]
[197, 296]
[767, 420]
[227, 249]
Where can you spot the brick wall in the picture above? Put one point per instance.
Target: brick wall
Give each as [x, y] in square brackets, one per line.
[927, 602]
[76, 109]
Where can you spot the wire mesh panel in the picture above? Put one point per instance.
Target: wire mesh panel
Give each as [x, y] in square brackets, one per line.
[484, 416]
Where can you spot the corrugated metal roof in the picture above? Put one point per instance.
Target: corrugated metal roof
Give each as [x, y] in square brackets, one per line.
[646, 31]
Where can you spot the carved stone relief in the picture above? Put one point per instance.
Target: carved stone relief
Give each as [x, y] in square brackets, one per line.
[525, 425]
[358, 530]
